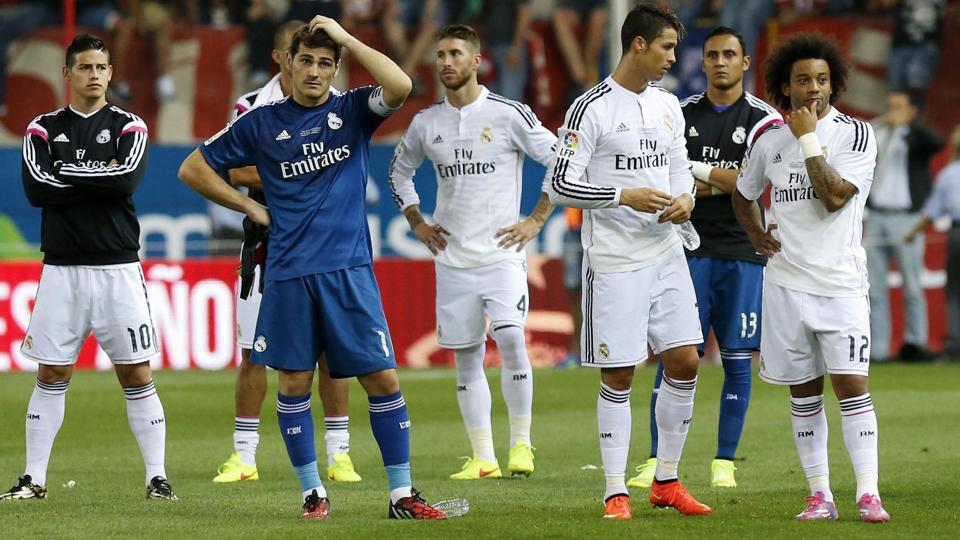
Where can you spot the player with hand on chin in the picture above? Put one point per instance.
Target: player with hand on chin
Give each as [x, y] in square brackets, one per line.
[816, 315]
[311, 153]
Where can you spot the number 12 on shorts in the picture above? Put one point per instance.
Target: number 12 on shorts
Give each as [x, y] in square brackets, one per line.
[863, 348]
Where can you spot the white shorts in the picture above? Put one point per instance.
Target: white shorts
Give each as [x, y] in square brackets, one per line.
[621, 310]
[465, 296]
[805, 336]
[247, 310]
[111, 301]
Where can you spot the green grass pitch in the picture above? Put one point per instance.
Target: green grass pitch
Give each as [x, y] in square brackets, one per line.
[919, 438]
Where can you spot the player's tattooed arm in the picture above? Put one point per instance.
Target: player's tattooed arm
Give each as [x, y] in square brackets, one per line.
[430, 235]
[827, 184]
[520, 233]
[748, 215]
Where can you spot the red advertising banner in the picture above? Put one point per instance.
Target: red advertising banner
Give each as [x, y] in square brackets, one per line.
[193, 307]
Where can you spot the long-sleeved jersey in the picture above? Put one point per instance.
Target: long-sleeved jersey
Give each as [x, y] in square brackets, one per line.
[614, 138]
[82, 170]
[821, 251]
[477, 154]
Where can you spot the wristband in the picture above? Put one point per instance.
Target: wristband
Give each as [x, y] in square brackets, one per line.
[701, 171]
[714, 190]
[810, 145]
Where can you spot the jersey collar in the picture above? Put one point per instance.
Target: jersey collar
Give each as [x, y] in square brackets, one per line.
[89, 114]
[473, 105]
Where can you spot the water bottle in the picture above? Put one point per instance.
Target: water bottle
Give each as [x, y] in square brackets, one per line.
[453, 507]
[688, 234]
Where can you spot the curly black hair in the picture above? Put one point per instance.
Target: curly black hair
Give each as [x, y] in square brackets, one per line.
[804, 46]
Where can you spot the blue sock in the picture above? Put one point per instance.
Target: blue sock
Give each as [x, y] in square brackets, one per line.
[296, 428]
[391, 429]
[653, 409]
[737, 371]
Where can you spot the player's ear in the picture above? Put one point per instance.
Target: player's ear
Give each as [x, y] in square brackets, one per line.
[746, 62]
[639, 44]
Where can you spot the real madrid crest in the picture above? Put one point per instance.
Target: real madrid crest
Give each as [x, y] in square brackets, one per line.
[260, 344]
[103, 136]
[334, 121]
[667, 122]
[28, 342]
[603, 350]
[739, 135]
[486, 135]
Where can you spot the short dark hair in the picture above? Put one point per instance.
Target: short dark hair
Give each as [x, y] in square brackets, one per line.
[460, 31]
[314, 40]
[288, 27]
[647, 21]
[726, 31]
[804, 46]
[917, 97]
[81, 43]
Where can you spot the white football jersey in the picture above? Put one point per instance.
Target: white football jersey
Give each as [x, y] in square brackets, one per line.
[821, 252]
[614, 138]
[477, 154]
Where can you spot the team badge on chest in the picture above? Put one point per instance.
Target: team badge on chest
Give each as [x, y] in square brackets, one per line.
[739, 135]
[334, 121]
[103, 137]
[486, 135]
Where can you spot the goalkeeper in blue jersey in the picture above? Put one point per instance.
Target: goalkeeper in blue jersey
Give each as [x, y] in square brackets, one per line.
[311, 150]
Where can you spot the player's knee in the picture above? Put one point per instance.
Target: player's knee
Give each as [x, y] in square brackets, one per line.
[54, 374]
[134, 376]
[617, 378]
[380, 383]
[512, 344]
[469, 363]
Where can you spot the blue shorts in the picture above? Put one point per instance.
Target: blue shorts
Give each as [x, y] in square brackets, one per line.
[572, 260]
[729, 297]
[338, 313]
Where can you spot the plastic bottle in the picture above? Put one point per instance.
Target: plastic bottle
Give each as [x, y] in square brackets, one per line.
[691, 240]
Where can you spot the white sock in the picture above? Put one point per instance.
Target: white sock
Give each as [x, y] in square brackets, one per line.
[516, 380]
[400, 493]
[859, 422]
[145, 414]
[674, 412]
[246, 438]
[614, 422]
[810, 434]
[481, 441]
[44, 418]
[321, 492]
[473, 396]
[337, 436]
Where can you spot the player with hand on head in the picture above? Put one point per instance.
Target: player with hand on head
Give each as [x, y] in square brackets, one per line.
[816, 315]
[311, 151]
[622, 157]
[81, 166]
[476, 141]
[727, 272]
[251, 386]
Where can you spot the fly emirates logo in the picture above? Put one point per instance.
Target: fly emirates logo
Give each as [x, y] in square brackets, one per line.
[318, 157]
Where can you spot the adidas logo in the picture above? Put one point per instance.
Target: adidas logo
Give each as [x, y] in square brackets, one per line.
[283, 136]
[776, 158]
[437, 140]
[622, 128]
[693, 132]
[61, 138]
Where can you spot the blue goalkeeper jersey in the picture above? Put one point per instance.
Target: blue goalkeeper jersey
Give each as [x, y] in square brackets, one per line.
[312, 162]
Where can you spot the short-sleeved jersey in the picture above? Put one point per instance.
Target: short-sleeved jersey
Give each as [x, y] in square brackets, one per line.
[477, 154]
[312, 163]
[82, 170]
[720, 139]
[821, 251]
[614, 138]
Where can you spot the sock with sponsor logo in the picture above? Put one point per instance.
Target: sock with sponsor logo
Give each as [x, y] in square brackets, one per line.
[516, 380]
[614, 421]
[145, 415]
[246, 438]
[296, 428]
[44, 418]
[674, 413]
[810, 434]
[734, 399]
[860, 433]
[337, 436]
[391, 429]
[473, 396]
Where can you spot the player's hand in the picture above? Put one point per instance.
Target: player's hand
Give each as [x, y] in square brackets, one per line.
[431, 236]
[331, 27]
[802, 121]
[519, 234]
[679, 211]
[643, 199]
[766, 244]
[258, 213]
[703, 189]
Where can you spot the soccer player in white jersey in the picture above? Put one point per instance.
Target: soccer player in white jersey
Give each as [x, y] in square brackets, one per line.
[251, 386]
[476, 141]
[622, 157]
[816, 315]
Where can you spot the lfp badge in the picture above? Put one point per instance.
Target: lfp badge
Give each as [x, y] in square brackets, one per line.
[568, 145]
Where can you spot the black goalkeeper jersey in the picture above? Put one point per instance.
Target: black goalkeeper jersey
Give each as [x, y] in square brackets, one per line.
[82, 170]
[721, 139]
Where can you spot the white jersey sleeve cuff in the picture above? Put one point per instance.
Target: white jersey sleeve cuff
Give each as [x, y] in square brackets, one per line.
[378, 104]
